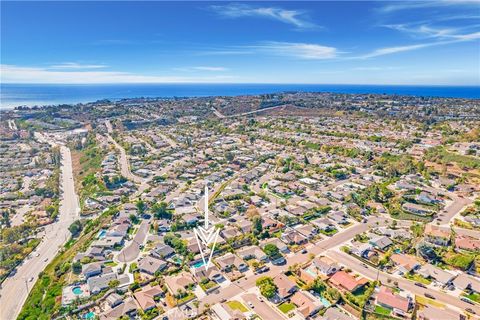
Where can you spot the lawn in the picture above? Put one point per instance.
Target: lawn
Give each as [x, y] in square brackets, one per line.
[237, 305]
[382, 310]
[426, 301]
[417, 278]
[474, 297]
[286, 307]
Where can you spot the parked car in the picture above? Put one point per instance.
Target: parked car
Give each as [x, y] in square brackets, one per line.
[428, 295]
[250, 304]
[467, 300]
[470, 310]
[421, 285]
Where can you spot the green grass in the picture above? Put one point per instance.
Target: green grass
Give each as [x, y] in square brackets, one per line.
[286, 307]
[417, 278]
[426, 301]
[237, 305]
[382, 310]
[474, 297]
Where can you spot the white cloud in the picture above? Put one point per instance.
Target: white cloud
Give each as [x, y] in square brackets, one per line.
[308, 51]
[407, 5]
[293, 17]
[74, 65]
[206, 68]
[19, 74]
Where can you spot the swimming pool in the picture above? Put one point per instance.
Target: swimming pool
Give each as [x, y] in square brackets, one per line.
[77, 291]
[325, 302]
[102, 234]
[198, 264]
[89, 315]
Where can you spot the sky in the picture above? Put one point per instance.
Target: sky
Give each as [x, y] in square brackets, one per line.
[342, 42]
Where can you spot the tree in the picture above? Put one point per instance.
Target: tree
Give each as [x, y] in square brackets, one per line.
[160, 211]
[75, 228]
[229, 156]
[141, 206]
[271, 250]
[114, 283]
[77, 267]
[267, 287]
[257, 225]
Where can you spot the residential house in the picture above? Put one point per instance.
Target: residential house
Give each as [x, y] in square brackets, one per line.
[100, 282]
[467, 243]
[252, 252]
[386, 298]
[92, 269]
[437, 235]
[230, 260]
[441, 276]
[114, 299]
[151, 265]
[361, 249]
[345, 281]
[146, 297]
[292, 236]
[380, 242]
[325, 265]
[417, 209]
[162, 251]
[286, 287]
[467, 282]
[127, 308]
[212, 273]
[405, 263]
[179, 283]
[307, 230]
[222, 311]
[307, 304]
[277, 242]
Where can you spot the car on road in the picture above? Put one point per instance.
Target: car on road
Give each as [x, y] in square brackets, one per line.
[31, 279]
[303, 251]
[421, 285]
[467, 301]
[428, 295]
[45, 260]
[250, 304]
[260, 299]
[470, 310]
[223, 300]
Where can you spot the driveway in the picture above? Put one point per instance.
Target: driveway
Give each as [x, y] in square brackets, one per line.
[261, 308]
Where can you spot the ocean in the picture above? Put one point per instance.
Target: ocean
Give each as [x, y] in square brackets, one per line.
[12, 95]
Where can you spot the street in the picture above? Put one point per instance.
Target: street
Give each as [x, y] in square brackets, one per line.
[16, 288]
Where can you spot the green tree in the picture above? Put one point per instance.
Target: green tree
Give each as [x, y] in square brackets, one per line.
[271, 250]
[267, 287]
[75, 228]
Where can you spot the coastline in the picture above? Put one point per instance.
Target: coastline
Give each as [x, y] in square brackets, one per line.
[13, 95]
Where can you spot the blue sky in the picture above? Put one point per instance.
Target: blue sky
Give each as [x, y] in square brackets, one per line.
[242, 42]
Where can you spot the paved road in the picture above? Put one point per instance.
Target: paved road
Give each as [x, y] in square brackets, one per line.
[369, 272]
[457, 205]
[16, 288]
[261, 308]
[123, 161]
[131, 252]
[320, 247]
[220, 115]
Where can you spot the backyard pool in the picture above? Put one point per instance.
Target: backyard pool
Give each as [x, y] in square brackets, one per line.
[198, 264]
[102, 234]
[77, 291]
[325, 302]
[89, 315]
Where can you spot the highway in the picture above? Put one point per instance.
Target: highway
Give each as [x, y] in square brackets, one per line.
[15, 289]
